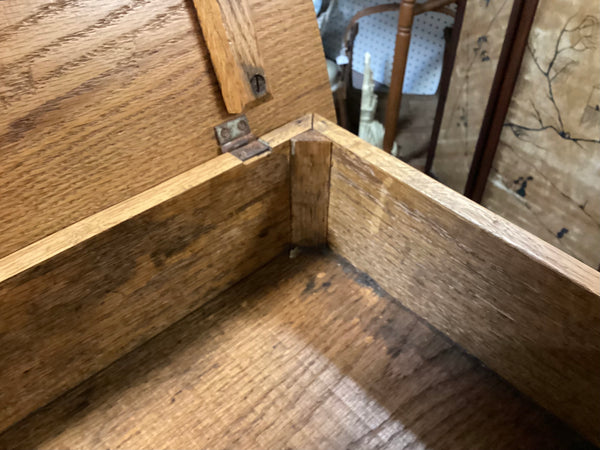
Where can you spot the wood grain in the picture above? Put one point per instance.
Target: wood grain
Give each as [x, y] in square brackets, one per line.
[78, 300]
[310, 163]
[228, 30]
[285, 133]
[480, 43]
[305, 353]
[101, 100]
[547, 166]
[529, 311]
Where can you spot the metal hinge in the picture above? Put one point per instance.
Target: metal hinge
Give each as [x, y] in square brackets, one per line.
[235, 137]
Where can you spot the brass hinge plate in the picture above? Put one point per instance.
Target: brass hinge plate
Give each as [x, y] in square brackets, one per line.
[235, 137]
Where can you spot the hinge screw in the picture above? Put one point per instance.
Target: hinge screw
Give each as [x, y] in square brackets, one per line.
[225, 133]
[258, 84]
[243, 126]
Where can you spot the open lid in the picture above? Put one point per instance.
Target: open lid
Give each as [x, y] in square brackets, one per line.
[103, 99]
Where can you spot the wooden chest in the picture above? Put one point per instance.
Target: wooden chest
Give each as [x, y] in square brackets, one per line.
[158, 293]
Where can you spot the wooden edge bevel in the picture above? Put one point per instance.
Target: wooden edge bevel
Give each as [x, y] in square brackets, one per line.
[73, 235]
[77, 233]
[310, 167]
[457, 204]
[511, 234]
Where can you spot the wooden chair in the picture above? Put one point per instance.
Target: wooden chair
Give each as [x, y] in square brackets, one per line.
[408, 9]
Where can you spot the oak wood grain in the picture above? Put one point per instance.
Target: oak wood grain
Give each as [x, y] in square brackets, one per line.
[228, 30]
[76, 301]
[285, 133]
[101, 100]
[310, 163]
[527, 310]
[305, 353]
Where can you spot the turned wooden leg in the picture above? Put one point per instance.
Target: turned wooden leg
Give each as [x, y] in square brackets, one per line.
[405, 20]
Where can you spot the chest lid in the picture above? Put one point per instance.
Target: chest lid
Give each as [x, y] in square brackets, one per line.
[103, 99]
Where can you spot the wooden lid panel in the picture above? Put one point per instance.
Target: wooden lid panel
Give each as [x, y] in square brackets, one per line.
[101, 100]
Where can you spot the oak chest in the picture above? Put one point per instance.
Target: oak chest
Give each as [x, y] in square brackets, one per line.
[167, 280]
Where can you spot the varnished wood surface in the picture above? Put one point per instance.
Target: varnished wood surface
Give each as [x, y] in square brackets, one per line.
[310, 163]
[306, 353]
[76, 234]
[78, 300]
[103, 99]
[228, 30]
[526, 309]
